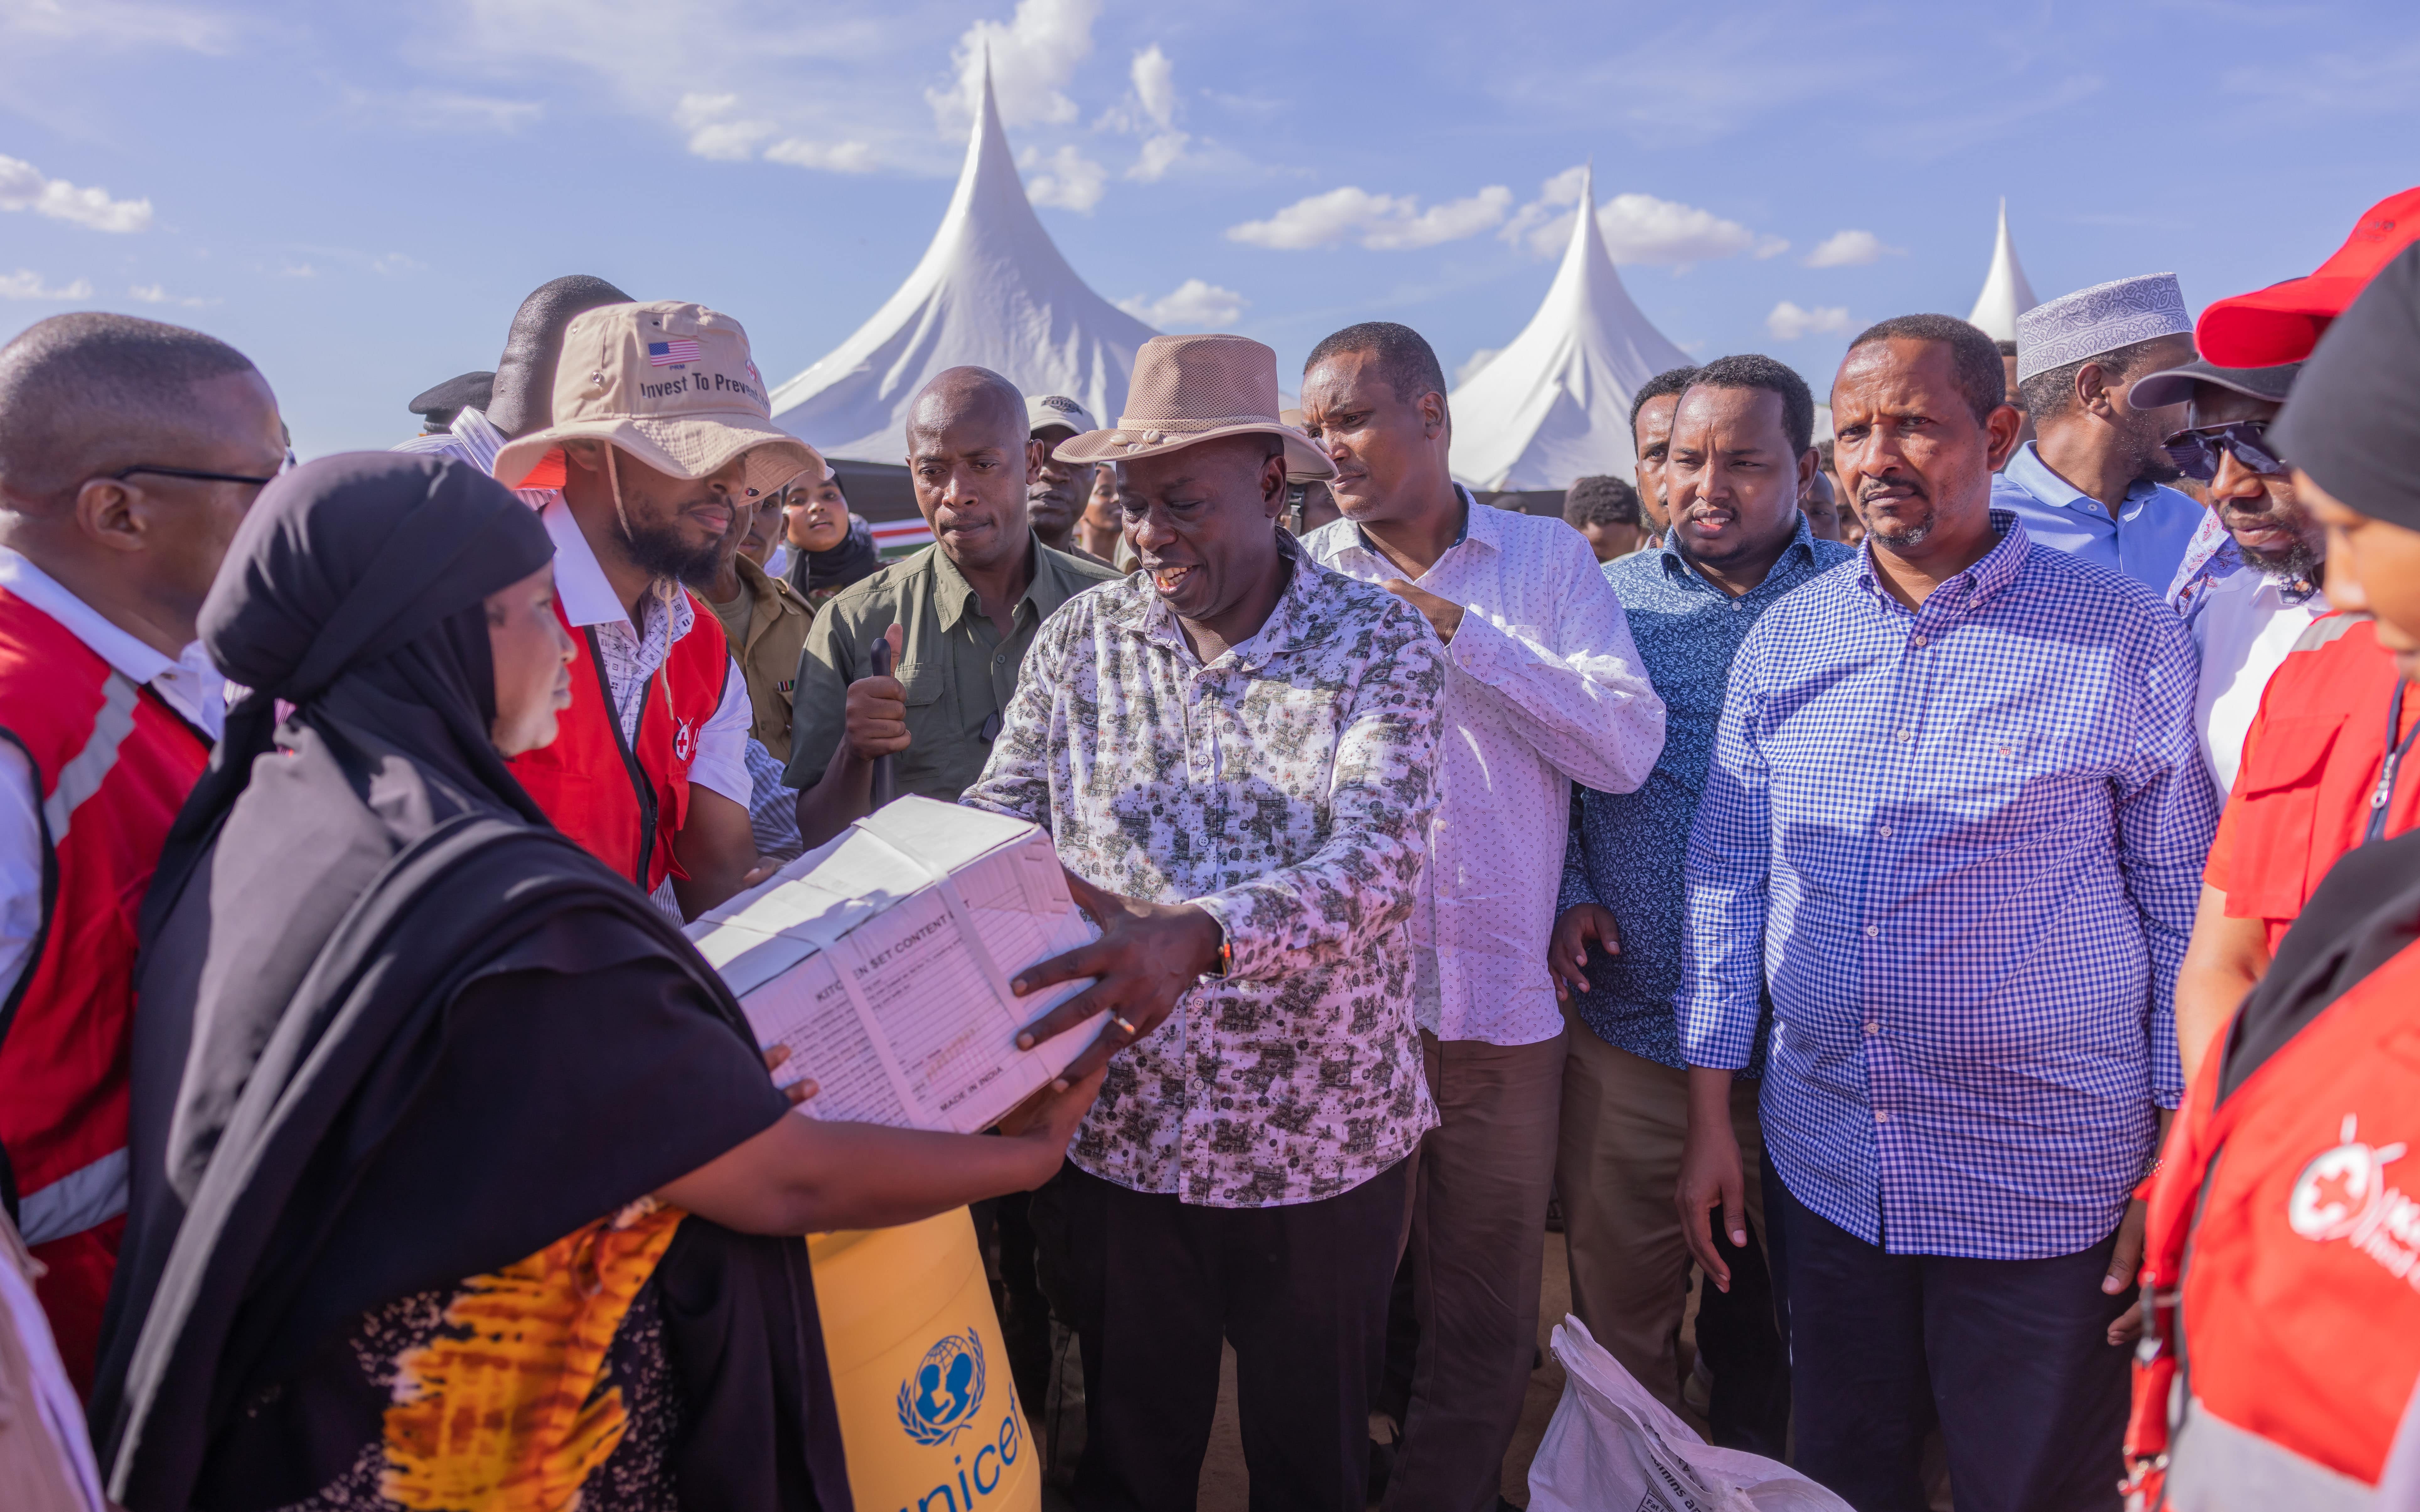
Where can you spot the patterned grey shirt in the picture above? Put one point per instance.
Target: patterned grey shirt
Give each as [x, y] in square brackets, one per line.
[1285, 787]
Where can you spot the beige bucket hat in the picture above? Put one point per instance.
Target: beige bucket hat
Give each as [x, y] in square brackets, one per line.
[1192, 389]
[670, 385]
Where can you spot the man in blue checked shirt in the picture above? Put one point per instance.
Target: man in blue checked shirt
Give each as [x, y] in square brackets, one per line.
[1954, 824]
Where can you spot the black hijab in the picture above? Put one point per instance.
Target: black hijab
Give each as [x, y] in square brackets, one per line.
[856, 557]
[330, 890]
[2353, 422]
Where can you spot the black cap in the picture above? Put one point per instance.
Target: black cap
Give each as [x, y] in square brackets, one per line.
[2354, 423]
[467, 391]
[2175, 385]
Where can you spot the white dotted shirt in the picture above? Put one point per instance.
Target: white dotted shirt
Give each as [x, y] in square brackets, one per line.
[1543, 687]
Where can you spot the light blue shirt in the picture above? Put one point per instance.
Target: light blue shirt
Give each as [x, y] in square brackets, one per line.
[2145, 541]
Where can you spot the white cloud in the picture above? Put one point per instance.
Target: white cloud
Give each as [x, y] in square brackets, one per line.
[841, 156]
[1159, 154]
[1383, 222]
[1788, 322]
[117, 24]
[1068, 179]
[447, 110]
[24, 187]
[396, 262]
[298, 270]
[1153, 108]
[157, 294]
[1851, 249]
[1155, 86]
[710, 135]
[1639, 229]
[1033, 58]
[1195, 305]
[24, 284]
[1469, 369]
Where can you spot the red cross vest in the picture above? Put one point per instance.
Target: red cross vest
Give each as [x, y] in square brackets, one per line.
[114, 765]
[2284, 1242]
[624, 801]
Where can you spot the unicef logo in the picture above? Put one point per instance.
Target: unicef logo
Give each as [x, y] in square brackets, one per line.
[941, 1396]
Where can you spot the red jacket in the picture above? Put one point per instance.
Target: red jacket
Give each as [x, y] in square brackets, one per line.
[2311, 767]
[2289, 1216]
[114, 765]
[626, 801]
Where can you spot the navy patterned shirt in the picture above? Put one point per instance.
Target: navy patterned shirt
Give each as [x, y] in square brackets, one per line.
[1626, 849]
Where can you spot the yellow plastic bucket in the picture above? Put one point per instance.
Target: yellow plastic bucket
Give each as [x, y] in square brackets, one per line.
[927, 1409]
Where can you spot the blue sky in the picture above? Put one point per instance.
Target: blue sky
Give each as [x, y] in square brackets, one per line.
[358, 195]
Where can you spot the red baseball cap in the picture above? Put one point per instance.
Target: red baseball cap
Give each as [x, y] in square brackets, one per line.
[2283, 322]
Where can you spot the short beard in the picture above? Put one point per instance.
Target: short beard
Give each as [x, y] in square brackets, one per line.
[664, 554]
[2299, 563]
[1908, 537]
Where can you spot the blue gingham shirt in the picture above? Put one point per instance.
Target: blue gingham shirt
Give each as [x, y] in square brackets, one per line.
[1626, 848]
[1964, 845]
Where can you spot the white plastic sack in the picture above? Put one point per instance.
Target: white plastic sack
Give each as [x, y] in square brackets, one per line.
[1613, 1447]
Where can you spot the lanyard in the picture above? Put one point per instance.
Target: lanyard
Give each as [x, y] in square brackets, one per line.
[2384, 792]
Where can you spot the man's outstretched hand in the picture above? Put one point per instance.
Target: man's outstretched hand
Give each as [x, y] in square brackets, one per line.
[1148, 954]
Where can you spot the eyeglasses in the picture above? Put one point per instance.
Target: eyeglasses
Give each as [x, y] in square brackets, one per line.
[2195, 452]
[123, 474]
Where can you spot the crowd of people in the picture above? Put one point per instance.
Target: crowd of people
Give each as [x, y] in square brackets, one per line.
[1929, 913]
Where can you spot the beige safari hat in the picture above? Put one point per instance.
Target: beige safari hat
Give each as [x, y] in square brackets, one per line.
[1192, 388]
[670, 385]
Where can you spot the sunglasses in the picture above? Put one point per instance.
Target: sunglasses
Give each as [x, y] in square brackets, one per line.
[2195, 452]
[198, 476]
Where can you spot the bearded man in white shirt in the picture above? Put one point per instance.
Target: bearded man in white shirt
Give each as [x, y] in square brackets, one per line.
[1543, 687]
[2247, 620]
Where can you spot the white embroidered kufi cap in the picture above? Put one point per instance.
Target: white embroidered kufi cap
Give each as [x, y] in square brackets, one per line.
[2076, 326]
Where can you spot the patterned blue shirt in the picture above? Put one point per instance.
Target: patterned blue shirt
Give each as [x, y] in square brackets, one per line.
[2146, 541]
[1626, 848]
[1963, 844]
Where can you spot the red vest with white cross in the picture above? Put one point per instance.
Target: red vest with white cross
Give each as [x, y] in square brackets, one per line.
[114, 765]
[624, 801]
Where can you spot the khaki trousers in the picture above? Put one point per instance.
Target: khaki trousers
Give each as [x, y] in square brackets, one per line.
[1479, 1239]
[1624, 1119]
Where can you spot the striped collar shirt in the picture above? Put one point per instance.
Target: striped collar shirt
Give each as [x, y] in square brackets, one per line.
[475, 440]
[1543, 687]
[1962, 845]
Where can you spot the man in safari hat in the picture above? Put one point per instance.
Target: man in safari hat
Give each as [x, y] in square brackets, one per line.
[1234, 750]
[660, 436]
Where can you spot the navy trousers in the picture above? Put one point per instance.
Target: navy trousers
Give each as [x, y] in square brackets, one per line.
[2011, 1357]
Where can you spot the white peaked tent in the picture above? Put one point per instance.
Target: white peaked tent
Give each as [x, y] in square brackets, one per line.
[2006, 294]
[1555, 405]
[992, 291]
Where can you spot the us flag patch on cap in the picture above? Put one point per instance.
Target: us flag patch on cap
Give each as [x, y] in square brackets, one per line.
[672, 354]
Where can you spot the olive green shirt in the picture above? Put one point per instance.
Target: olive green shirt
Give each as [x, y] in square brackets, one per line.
[956, 669]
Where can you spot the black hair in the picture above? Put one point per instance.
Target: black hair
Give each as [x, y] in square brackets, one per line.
[2007, 348]
[2051, 394]
[1405, 360]
[87, 394]
[1974, 356]
[1754, 370]
[1600, 501]
[1671, 381]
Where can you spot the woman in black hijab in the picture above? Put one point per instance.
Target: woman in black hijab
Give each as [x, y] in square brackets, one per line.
[455, 1167]
[830, 547]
